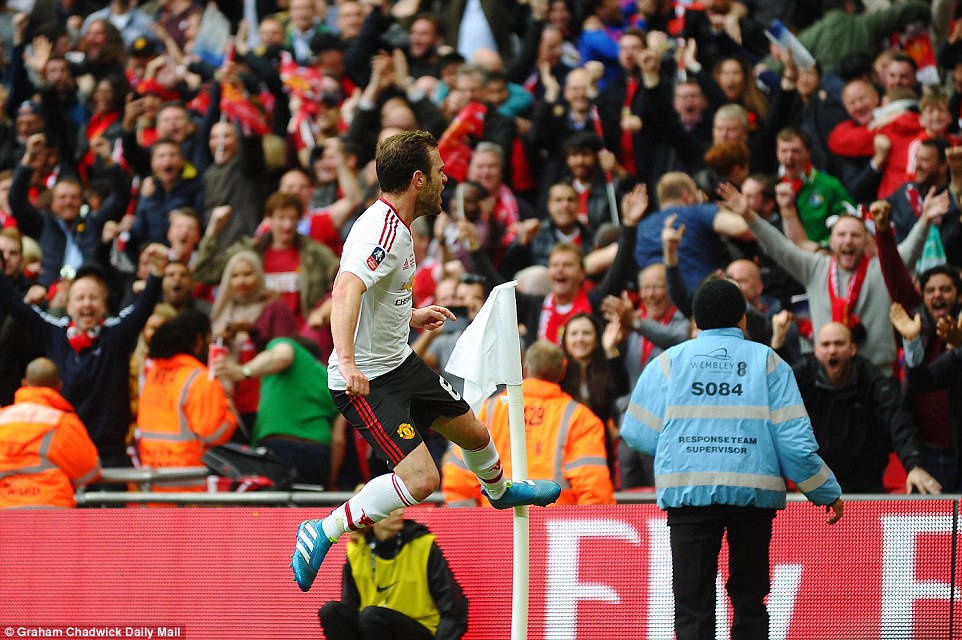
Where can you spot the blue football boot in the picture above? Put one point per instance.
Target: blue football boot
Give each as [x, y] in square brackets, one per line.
[312, 546]
[539, 493]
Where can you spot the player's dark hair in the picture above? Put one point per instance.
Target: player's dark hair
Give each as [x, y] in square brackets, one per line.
[399, 156]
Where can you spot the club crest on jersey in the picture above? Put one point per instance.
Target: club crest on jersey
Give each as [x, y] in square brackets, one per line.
[406, 431]
[376, 258]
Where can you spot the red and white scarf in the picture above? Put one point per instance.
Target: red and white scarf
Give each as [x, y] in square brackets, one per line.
[584, 194]
[80, 340]
[915, 199]
[843, 308]
[799, 182]
[647, 346]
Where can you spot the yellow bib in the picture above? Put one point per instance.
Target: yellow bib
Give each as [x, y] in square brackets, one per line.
[400, 583]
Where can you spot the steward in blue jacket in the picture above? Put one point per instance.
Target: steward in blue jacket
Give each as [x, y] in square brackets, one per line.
[726, 423]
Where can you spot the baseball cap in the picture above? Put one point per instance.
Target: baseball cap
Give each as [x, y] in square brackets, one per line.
[143, 47]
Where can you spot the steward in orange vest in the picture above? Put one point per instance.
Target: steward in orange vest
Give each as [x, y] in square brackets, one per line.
[565, 440]
[182, 412]
[44, 448]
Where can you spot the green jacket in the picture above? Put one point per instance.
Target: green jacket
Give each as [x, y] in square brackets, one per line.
[820, 197]
[840, 34]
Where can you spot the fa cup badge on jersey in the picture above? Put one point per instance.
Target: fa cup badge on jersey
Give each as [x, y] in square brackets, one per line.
[376, 258]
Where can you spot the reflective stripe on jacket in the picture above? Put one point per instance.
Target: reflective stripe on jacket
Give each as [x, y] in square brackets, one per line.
[565, 443]
[726, 423]
[182, 413]
[44, 451]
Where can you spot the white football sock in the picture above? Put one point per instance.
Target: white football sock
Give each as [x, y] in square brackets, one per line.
[374, 502]
[486, 464]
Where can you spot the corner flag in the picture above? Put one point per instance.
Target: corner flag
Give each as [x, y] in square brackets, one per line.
[488, 353]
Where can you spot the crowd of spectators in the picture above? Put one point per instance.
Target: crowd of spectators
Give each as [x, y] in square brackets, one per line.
[610, 155]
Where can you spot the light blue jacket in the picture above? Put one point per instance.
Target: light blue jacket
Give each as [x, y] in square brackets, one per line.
[726, 424]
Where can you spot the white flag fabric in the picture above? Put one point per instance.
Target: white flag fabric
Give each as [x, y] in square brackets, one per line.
[488, 353]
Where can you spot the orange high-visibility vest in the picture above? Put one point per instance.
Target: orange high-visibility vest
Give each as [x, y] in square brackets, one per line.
[45, 451]
[182, 413]
[565, 443]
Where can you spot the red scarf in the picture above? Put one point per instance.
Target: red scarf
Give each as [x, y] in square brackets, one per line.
[522, 177]
[506, 213]
[842, 308]
[627, 140]
[915, 199]
[148, 136]
[575, 238]
[99, 123]
[553, 321]
[82, 340]
[7, 221]
[799, 182]
[647, 346]
[584, 193]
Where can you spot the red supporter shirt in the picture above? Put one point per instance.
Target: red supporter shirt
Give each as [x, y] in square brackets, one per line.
[282, 271]
[323, 230]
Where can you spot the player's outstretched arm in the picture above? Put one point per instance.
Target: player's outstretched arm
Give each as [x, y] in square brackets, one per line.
[430, 318]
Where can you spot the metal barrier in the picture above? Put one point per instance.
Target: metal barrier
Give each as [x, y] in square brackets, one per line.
[262, 498]
[147, 477]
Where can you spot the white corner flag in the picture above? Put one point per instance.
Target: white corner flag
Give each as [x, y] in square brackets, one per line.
[488, 353]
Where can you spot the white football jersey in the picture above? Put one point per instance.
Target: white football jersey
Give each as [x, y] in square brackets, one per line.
[380, 251]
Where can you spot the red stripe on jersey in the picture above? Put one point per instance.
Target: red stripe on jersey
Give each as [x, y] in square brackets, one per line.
[389, 206]
[389, 231]
[385, 230]
[393, 235]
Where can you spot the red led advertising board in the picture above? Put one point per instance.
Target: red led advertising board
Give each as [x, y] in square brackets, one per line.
[885, 571]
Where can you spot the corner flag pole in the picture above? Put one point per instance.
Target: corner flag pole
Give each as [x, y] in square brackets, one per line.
[519, 471]
[487, 354]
